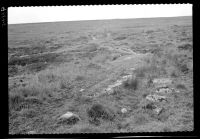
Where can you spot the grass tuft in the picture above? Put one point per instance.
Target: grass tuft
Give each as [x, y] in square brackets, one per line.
[181, 86]
[15, 101]
[98, 111]
[132, 83]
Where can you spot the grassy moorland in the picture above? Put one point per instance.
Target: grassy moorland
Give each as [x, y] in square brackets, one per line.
[60, 67]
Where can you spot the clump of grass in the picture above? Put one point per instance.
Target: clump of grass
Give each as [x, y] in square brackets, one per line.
[150, 106]
[34, 101]
[70, 121]
[186, 46]
[174, 74]
[82, 99]
[29, 113]
[98, 111]
[149, 31]
[28, 91]
[184, 68]
[141, 119]
[15, 101]
[150, 81]
[140, 73]
[47, 77]
[65, 84]
[181, 86]
[149, 69]
[79, 78]
[115, 57]
[132, 83]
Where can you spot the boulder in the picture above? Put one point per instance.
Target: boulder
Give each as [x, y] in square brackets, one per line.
[69, 118]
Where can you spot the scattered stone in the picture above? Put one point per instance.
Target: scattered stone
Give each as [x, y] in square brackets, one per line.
[124, 110]
[69, 118]
[155, 98]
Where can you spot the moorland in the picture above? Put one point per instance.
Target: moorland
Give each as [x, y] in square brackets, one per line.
[107, 76]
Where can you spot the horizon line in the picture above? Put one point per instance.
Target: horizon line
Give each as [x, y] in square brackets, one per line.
[98, 19]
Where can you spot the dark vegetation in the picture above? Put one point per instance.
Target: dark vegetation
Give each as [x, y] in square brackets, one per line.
[97, 112]
[131, 83]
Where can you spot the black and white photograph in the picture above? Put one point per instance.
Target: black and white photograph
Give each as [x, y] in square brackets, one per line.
[100, 69]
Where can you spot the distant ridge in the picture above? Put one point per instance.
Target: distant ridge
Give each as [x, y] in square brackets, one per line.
[103, 20]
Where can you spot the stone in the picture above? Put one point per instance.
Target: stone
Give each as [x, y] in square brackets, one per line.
[82, 90]
[164, 90]
[68, 115]
[126, 77]
[124, 110]
[69, 118]
[110, 87]
[155, 98]
[158, 110]
[162, 81]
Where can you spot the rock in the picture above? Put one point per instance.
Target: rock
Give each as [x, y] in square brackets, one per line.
[162, 81]
[155, 98]
[110, 87]
[82, 90]
[177, 91]
[164, 90]
[158, 110]
[68, 115]
[69, 118]
[126, 77]
[124, 110]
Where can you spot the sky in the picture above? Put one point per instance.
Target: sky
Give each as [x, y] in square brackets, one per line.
[17, 15]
